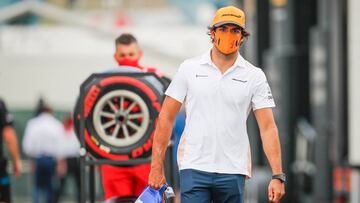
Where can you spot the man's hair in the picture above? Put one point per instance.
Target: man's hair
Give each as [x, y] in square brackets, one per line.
[42, 107]
[245, 34]
[125, 39]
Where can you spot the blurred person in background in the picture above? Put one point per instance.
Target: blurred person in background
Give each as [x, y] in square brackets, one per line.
[218, 89]
[7, 134]
[127, 181]
[128, 53]
[42, 143]
[70, 152]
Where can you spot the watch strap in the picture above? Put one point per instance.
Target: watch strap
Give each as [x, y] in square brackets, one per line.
[281, 177]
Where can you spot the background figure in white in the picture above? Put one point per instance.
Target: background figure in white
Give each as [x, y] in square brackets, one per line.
[42, 143]
[70, 151]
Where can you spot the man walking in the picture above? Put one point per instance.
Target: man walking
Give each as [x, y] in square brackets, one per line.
[43, 144]
[218, 89]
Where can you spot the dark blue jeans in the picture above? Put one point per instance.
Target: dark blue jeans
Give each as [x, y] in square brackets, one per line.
[203, 187]
[44, 179]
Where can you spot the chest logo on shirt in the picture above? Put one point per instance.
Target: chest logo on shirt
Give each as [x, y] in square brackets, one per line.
[238, 80]
[201, 76]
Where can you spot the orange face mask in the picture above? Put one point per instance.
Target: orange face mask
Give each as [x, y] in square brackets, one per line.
[226, 42]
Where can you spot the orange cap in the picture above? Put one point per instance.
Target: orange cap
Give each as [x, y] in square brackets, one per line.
[229, 14]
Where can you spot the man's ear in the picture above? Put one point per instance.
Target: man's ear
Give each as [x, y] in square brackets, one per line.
[242, 40]
[115, 57]
[212, 34]
[140, 54]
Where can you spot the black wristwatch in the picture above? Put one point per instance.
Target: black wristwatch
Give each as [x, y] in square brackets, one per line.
[281, 177]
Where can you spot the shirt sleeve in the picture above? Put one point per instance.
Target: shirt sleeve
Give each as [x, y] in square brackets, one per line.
[178, 86]
[262, 96]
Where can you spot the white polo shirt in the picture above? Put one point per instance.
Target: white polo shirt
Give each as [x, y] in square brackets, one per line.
[217, 106]
[43, 137]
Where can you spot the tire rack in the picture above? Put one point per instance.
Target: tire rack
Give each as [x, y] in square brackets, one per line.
[86, 160]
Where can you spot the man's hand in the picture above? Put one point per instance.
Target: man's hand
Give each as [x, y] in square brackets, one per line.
[17, 168]
[272, 149]
[162, 136]
[61, 168]
[276, 190]
[156, 178]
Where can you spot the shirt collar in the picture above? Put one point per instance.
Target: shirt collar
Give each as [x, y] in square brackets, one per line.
[206, 59]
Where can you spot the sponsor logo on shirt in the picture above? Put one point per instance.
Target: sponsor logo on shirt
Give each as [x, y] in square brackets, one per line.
[270, 97]
[238, 80]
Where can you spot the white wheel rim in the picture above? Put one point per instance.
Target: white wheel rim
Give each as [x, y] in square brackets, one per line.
[118, 125]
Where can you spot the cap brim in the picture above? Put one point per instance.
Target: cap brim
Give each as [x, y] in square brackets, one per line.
[227, 22]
